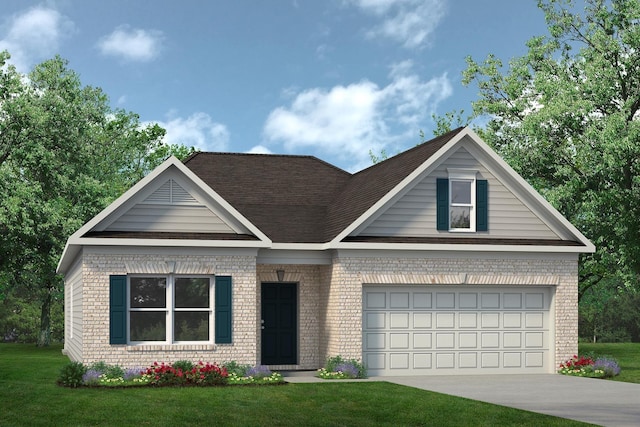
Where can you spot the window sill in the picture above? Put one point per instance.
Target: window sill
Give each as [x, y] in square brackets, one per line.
[171, 347]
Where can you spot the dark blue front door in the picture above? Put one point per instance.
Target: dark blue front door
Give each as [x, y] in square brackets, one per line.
[279, 324]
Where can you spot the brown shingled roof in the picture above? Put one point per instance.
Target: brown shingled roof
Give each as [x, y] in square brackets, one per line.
[301, 199]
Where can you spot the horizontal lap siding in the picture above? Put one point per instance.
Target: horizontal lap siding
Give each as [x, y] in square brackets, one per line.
[73, 313]
[414, 215]
[143, 217]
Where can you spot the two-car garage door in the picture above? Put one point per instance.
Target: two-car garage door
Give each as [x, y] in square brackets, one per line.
[431, 330]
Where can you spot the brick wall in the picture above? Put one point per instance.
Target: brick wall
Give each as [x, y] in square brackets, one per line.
[343, 325]
[97, 267]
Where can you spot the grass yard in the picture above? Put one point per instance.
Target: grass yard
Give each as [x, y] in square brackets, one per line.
[30, 397]
[627, 355]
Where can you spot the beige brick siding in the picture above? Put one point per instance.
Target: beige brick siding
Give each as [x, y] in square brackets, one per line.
[329, 299]
[343, 324]
[97, 267]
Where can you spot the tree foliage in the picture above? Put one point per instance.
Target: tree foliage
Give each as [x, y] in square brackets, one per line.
[566, 116]
[64, 155]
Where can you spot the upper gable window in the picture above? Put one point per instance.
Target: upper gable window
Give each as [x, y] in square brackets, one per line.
[461, 202]
[461, 209]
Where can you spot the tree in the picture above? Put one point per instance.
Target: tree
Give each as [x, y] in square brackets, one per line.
[566, 116]
[64, 155]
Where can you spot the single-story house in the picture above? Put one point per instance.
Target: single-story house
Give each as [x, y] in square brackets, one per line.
[439, 260]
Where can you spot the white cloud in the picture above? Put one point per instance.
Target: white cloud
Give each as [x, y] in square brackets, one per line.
[198, 130]
[132, 44]
[259, 149]
[35, 35]
[409, 22]
[348, 121]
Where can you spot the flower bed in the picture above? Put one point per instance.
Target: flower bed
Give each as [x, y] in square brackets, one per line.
[591, 367]
[181, 373]
[338, 368]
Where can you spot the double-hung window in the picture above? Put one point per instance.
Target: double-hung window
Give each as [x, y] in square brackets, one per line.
[170, 309]
[462, 202]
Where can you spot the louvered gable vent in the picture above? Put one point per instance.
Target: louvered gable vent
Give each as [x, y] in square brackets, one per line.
[171, 193]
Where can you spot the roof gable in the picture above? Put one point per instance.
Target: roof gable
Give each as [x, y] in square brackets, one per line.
[556, 229]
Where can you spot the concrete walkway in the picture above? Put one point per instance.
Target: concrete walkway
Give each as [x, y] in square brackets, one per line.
[601, 402]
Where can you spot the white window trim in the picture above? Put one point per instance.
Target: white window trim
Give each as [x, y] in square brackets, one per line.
[465, 175]
[170, 308]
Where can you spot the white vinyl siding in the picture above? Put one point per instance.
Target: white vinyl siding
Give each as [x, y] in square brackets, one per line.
[176, 218]
[73, 312]
[414, 214]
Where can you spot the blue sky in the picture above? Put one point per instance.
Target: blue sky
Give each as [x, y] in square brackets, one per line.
[330, 78]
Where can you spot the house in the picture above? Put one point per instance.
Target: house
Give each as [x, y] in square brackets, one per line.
[440, 260]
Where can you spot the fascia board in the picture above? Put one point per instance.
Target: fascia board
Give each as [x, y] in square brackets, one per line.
[95, 241]
[404, 183]
[461, 247]
[531, 192]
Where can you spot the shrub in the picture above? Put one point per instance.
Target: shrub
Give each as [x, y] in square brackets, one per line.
[586, 366]
[338, 368]
[91, 377]
[258, 372]
[609, 366]
[184, 365]
[71, 374]
[237, 369]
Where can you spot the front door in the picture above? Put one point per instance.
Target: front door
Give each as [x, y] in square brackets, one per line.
[279, 324]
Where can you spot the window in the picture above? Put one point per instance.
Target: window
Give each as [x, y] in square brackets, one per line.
[462, 196]
[462, 202]
[169, 309]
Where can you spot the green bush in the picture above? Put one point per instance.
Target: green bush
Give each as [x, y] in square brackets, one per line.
[184, 365]
[71, 374]
[337, 367]
[235, 368]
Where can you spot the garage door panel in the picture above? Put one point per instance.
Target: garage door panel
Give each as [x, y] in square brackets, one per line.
[445, 320]
[421, 300]
[468, 300]
[375, 341]
[445, 300]
[468, 320]
[422, 320]
[399, 300]
[467, 340]
[468, 360]
[375, 320]
[399, 361]
[421, 341]
[376, 300]
[464, 329]
[399, 341]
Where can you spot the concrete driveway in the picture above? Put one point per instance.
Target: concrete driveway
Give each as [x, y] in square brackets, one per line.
[602, 402]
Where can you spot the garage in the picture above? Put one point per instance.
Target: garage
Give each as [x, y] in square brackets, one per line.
[445, 330]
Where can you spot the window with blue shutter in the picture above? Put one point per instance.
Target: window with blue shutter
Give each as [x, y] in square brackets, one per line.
[223, 320]
[117, 309]
[456, 200]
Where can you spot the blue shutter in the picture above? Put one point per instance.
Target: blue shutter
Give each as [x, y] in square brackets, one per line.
[482, 205]
[117, 309]
[223, 310]
[442, 205]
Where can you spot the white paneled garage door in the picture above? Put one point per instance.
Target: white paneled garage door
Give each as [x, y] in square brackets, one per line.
[439, 330]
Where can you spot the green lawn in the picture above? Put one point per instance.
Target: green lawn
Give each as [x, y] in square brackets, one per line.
[30, 397]
[627, 355]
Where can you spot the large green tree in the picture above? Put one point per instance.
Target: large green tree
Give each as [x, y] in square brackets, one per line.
[566, 116]
[64, 155]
